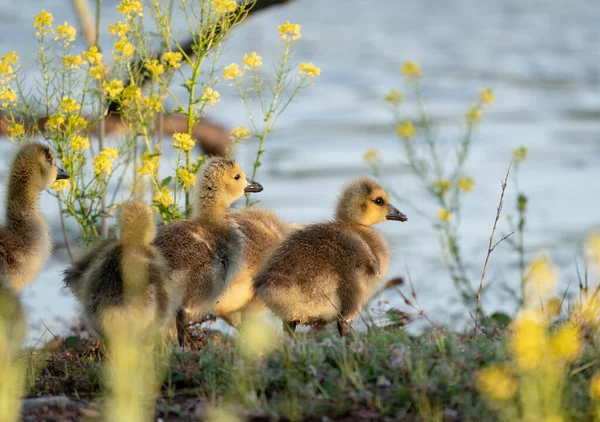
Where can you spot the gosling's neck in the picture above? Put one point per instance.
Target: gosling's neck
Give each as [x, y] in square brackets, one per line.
[210, 207]
[22, 198]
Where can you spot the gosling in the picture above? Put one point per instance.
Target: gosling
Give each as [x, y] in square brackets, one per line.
[326, 272]
[125, 276]
[12, 319]
[25, 242]
[262, 231]
[206, 252]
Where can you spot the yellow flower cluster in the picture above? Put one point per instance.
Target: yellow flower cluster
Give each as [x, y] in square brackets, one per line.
[187, 177]
[120, 28]
[371, 156]
[520, 154]
[130, 8]
[444, 215]
[16, 130]
[98, 71]
[66, 32]
[55, 122]
[69, 105]
[163, 197]
[43, 22]
[394, 97]
[79, 142]
[240, 132]
[289, 31]
[7, 70]
[233, 71]
[130, 94]
[60, 185]
[541, 279]
[473, 116]
[495, 383]
[411, 69]
[224, 6]
[149, 164]
[252, 61]
[92, 55]
[153, 102]
[113, 88]
[73, 62]
[406, 130]
[7, 96]
[442, 186]
[309, 70]
[155, 67]
[183, 141]
[466, 183]
[486, 95]
[210, 96]
[76, 122]
[104, 160]
[123, 49]
[172, 59]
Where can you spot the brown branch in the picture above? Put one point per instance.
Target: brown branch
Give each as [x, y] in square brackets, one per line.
[491, 248]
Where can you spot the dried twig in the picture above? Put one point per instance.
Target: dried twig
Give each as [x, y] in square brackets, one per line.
[491, 248]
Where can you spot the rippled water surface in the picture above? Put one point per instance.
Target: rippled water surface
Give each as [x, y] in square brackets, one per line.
[541, 57]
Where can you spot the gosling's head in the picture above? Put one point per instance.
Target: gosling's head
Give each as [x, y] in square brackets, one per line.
[136, 223]
[36, 164]
[224, 180]
[365, 202]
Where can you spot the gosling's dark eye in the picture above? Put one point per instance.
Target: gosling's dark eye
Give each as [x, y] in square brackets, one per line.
[237, 177]
[49, 161]
[378, 201]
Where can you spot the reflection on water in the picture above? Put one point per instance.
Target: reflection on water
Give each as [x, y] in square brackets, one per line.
[542, 58]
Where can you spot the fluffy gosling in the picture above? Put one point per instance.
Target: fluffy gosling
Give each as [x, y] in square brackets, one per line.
[25, 242]
[124, 275]
[326, 272]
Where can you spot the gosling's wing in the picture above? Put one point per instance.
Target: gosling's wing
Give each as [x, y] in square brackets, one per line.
[73, 275]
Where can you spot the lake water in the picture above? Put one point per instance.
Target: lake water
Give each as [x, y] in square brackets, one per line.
[541, 57]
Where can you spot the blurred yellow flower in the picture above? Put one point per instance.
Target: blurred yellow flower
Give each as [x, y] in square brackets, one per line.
[541, 279]
[153, 102]
[163, 197]
[309, 70]
[55, 122]
[406, 130]
[520, 154]
[594, 390]
[10, 58]
[62, 184]
[7, 96]
[104, 160]
[495, 383]
[186, 177]
[97, 71]
[486, 95]
[149, 164]
[593, 247]
[130, 8]
[289, 31]
[76, 122]
[113, 88]
[473, 116]
[444, 215]
[123, 48]
[73, 62]
[394, 97]
[240, 132]
[7, 71]
[232, 71]
[529, 340]
[65, 31]
[92, 55]
[371, 156]
[120, 28]
[183, 141]
[42, 21]
[441, 187]
[466, 183]
[225, 6]
[211, 96]
[155, 67]
[16, 130]
[411, 69]
[79, 142]
[564, 344]
[129, 94]
[252, 60]
[172, 59]
[69, 105]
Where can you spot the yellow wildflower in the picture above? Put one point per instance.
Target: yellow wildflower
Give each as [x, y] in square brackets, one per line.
[104, 160]
[172, 59]
[186, 177]
[529, 340]
[123, 48]
[233, 71]
[163, 197]
[520, 154]
[225, 6]
[564, 344]
[394, 97]
[120, 28]
[97, 71]
[69, 105]
[289, 31]
[211, 96]
[130, 94]
[16, 130]
[486, 95]
[76, 122]
[495, 383]
[466, 183]
[114, 88]
[7, 71]
[309, 70]
[155, 67]
[62, 184]
[252, 61]
[73, 62]
[149, 164]
[92, 55]
[371, 156]
[65, 31]
[406, 130]
[7, 96]
[240, 132]
[473, 116]
[444, 215]
[153, 102]
[130, 8]
[541, 280]
[594, 390]
[79, 142]
[42, 21]
[10, 58]
[411, 69]
[593, 247]
[183, 141]
[442, 186]
[55, 122]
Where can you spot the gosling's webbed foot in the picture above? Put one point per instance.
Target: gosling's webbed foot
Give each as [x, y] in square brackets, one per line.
[344, 327]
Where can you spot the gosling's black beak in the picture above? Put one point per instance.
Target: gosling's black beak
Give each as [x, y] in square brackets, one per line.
[253, 187]
[395, 214]
[62, 174]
